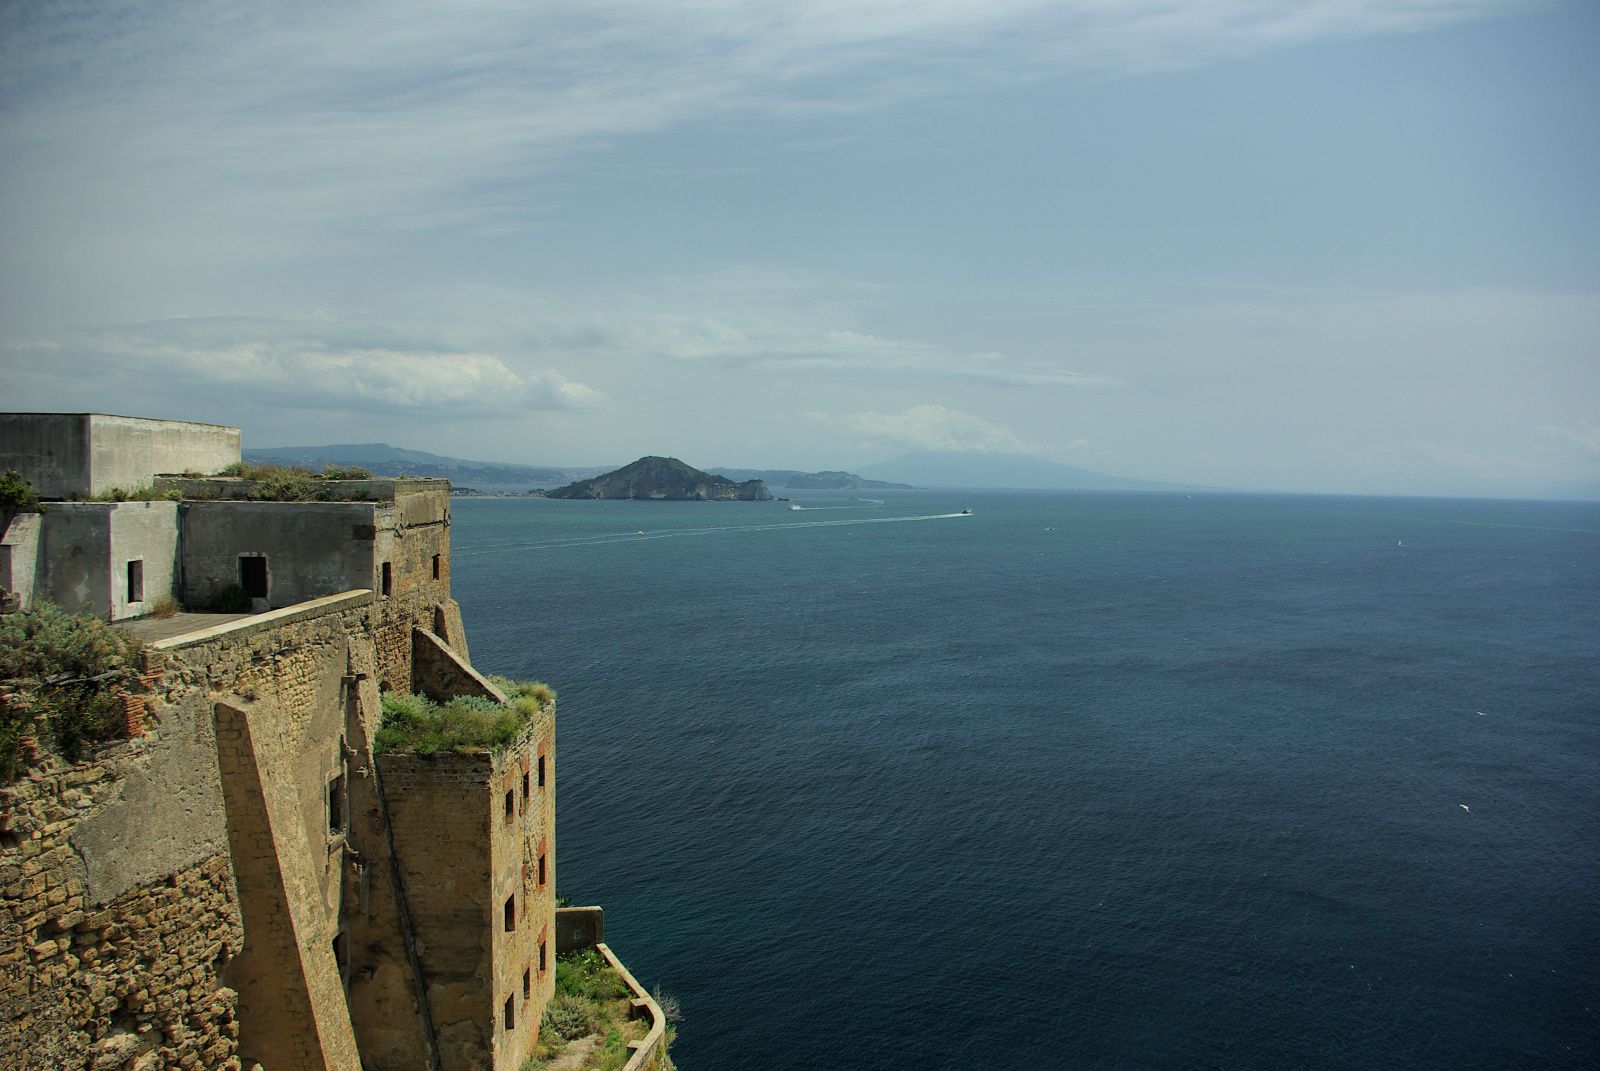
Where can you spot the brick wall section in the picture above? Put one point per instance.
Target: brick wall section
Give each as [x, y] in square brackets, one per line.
[440, 809]
[132, 982]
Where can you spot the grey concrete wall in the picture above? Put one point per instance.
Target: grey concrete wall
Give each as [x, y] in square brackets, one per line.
[20, 562]
[148, 532]
[312, 548]
[128, 452]
[75, 551]
[578, 928]
[50, 449]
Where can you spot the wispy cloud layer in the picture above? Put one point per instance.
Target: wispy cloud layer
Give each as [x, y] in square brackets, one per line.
[325, 119]
[274, 361]
[930, 427]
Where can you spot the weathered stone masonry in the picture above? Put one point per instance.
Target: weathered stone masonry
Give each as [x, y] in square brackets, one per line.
[243, 882]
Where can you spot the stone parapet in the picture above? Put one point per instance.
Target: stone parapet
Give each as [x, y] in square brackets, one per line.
[648, 1052]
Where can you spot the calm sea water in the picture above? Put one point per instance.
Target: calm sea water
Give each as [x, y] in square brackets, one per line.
[1079, 781]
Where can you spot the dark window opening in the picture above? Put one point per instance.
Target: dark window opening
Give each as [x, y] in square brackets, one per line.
[136, 580]
[511, 1013]
[527, 983]
[541, 771]
[253, 575]
[436, 567]
[541, 869]
[511, 807]
[524, 786]
[386, 581]
[541, 956]
[511, 912]
[336, 805]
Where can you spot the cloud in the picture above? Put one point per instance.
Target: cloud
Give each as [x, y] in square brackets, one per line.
[1585, 438]
[287, 363]
[746, 317]
[301, 123]
[931, 427]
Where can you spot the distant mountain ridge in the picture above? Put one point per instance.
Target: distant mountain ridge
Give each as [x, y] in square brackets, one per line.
[386, 460]
[664, 479]
[830, 480]
[922, 469]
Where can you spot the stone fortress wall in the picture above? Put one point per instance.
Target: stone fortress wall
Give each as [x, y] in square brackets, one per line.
[242, 881]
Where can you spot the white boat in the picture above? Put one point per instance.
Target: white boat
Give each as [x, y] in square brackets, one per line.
[796, 508]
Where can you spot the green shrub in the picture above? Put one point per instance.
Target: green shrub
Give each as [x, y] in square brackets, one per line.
[17, 494]
[570, 1016]
[466, 723]
[346, 472]
[587, 974]
[59, 672]
[277, 483]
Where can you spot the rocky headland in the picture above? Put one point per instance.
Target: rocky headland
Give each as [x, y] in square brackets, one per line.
[664, 479]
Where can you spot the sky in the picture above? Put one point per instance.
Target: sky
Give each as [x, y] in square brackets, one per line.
[1343, 246]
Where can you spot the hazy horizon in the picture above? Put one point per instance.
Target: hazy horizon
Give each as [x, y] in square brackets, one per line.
[1325, 247]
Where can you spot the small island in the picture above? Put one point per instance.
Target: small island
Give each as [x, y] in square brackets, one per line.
[664, 479]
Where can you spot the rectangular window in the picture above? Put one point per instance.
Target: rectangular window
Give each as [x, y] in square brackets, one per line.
[136, 580]
[336, 805]
[524, 788]
[541, 770]
[386, 580]
[436, 567]
[527, 983]
[511, 807]
[511, 912]
[541, 955]
[541, 870]
[253, 575]
[511, 1013]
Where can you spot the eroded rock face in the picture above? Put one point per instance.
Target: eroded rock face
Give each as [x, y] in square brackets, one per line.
[665, 479]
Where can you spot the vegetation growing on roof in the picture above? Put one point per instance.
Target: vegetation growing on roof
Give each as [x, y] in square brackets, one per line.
[59, 674]
[291, 483]
[17, 494]
[466, 723]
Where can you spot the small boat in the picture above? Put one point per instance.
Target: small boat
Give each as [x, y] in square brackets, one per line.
[967, 512]
[796, 508]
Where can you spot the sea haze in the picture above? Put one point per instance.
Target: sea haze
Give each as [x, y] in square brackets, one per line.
[1081, 780]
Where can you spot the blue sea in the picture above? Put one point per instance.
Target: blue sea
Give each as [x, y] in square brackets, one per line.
[1079, 780]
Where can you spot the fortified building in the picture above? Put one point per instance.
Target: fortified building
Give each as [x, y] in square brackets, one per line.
[245, 879]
